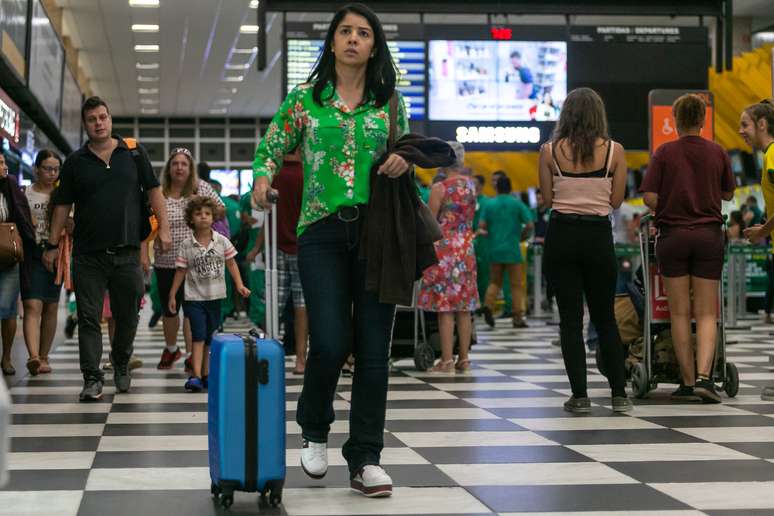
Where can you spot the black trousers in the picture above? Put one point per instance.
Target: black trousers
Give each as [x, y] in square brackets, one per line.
[580, 261]
[121, 275]
[343, 319]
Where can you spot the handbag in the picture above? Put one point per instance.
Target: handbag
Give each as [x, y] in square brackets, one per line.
[428, 229]
[11, 249]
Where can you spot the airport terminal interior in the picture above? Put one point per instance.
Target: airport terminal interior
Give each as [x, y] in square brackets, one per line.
[196, 89]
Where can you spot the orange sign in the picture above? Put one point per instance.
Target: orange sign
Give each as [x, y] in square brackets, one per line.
[663, 128]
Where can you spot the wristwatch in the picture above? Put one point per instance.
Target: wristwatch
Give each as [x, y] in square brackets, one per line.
[50, 246]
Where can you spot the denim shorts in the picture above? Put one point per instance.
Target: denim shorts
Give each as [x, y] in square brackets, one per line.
[204, 317]
[9, 292]
[39, 282]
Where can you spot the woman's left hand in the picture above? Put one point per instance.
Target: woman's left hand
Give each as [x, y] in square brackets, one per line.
[395, 166]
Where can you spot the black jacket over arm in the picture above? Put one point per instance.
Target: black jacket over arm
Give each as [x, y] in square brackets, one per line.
[393, 243]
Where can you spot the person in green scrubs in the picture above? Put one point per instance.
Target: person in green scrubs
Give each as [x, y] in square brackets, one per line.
[507, 221]
[481, 243]
[256, 275]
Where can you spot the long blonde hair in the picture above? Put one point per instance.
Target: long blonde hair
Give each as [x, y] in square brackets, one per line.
[191, 183]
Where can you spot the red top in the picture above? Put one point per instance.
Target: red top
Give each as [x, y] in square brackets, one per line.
[290, 185]
[689, 176]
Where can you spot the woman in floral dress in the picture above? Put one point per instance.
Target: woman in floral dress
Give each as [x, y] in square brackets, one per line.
[449, 288]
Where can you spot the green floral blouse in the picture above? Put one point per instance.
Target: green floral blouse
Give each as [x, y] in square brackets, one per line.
[338, 147]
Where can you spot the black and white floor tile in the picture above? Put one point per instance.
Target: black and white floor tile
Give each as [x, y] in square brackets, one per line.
[496, 441]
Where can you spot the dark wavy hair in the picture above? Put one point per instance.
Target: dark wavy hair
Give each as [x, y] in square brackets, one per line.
[381, 73]
[44, 154]
[582, 121]
[197, 203]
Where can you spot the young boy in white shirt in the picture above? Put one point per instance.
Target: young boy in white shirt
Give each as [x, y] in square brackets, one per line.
[201, 262]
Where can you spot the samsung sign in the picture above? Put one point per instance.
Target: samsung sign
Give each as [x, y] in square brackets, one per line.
[498, 134]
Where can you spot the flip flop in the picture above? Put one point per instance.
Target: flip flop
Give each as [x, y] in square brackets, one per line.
[33, 366]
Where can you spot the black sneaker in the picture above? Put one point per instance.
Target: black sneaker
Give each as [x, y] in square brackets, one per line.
[154, 320]
[684, 393]
[578, 405]
[122, 378]
[488, 317]
[70, 326]
[92, 390]
[705, 389]
[622, 404]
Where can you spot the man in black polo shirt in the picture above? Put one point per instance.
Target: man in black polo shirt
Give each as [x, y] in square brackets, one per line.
[105, 180]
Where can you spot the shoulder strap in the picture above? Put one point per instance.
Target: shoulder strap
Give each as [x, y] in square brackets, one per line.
[393, 108]
[609, 158]
[553, 158]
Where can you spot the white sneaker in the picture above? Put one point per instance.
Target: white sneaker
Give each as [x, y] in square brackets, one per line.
[314, 459]
[372, 481]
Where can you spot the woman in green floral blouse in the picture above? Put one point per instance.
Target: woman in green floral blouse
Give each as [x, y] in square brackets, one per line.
[340, 119]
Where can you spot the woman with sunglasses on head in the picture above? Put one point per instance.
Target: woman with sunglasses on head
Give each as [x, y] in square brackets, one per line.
[179, 183]
[39, 291]
[340, 119]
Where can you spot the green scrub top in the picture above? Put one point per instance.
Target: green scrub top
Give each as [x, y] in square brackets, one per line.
[505, 217]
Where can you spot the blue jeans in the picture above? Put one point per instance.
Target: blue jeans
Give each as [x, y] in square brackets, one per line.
[343, 319]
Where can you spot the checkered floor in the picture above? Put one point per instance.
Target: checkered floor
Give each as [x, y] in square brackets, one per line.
[495, 442]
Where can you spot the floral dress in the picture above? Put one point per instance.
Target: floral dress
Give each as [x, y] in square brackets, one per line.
[450, 286]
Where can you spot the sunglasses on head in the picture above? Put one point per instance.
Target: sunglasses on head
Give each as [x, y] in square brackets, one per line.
[181, 150]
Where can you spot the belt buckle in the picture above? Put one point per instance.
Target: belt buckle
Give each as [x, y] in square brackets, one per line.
[343, 219]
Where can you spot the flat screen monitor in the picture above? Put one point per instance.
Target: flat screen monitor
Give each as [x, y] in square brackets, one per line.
[229, 179]
[245, 181]
[479, 80]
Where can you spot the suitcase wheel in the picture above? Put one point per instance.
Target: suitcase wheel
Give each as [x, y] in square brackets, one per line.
[273, 490]
[227, 501]
[215, 491]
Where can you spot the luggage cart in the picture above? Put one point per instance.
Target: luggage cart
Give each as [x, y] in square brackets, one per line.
[415, 334]
[644, 375]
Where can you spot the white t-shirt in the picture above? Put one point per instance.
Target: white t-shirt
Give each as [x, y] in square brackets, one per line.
[39, 209]
[205, 279]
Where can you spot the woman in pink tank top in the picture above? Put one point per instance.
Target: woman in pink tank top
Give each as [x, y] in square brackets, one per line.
[583, 178]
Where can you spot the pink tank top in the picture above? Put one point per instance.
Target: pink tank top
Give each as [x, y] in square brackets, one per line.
[583, 193]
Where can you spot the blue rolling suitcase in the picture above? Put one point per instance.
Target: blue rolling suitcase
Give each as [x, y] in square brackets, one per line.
[246, 406]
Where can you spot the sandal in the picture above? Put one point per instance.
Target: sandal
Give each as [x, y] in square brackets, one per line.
[462, 366]
[44, 368]
[8, 370]
[442, 366]
[33, 366]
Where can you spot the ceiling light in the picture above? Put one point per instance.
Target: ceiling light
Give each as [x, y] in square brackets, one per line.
[139, 27]
[237, 66]
[253, 4]
[148, 91]
[147, 66]
[149, 101]
[229, 90]
[149, 111]
[144, 78]
[234, 78]
[146, 48]
[143, 3]
[224, 101]
[244, 50]
[218, 111]
[249, 29]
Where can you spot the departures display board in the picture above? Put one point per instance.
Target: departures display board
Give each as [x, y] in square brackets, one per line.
[304, 44]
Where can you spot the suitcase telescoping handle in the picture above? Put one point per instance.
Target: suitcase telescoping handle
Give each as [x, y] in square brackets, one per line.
[270, 258]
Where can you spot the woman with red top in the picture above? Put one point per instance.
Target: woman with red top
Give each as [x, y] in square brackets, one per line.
[685, 183]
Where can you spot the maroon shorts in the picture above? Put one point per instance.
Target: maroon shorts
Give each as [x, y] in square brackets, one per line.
[691, 251]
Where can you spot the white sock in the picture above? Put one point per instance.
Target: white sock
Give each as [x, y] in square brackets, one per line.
[172, 349]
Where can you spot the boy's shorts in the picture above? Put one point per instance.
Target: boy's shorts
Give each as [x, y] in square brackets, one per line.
[204, 317]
